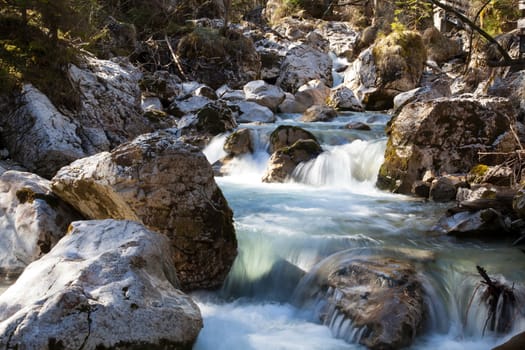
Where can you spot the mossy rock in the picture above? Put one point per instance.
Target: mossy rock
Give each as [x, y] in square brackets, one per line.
[400, 59]
[477, 173]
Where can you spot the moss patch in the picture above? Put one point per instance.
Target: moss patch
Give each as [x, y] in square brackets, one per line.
[400, 52]
[27, 195]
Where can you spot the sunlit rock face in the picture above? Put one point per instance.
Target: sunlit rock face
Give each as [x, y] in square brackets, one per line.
[106, 285]
[32, 220]
[444, 136]
[375, 300]
[264, 94]
[38, 136]
[169, 187]
[302, 64]
[44, 138]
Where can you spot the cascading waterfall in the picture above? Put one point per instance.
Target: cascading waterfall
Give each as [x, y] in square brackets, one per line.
[330, 205]
[343, 166]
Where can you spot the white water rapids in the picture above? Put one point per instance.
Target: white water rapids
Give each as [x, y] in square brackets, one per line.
[330, 205]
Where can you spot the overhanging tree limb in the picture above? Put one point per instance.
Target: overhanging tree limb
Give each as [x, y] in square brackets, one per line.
[475, 27]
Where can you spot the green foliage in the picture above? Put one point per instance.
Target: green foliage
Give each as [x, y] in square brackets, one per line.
[498, 16]
[30, 52]
[411, 14]
[241, 7]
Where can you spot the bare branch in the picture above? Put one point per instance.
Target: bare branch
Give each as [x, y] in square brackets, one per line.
[475, 27]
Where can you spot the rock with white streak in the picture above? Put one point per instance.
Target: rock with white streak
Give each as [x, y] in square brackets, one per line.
[32, 220]
[106, 285]
[169, 187]
[110, 98]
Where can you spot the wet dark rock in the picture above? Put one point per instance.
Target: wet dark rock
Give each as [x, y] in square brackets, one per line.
[515, 343]
[482, 223]
[287, 135]
[240, 142]
[421, 188]
[375, 300]
[283, 161]
[444, 188]
[358, 126]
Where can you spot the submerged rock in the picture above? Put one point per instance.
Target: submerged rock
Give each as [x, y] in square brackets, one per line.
[486, 222]
[168, 186]
[32, 220]
[444, 136]
[375, 300]
[106, 285]
[318, 113]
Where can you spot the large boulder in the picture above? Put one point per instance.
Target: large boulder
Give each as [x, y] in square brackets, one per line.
[437, 88]
[109, 112]
[264, 94]
[302, 64]
[40, 137]
[169, 187]
[32, 220]
[444, 136]
[376, 300]
[393, 65]
[106, 285]
[511, 86]
[283, 162]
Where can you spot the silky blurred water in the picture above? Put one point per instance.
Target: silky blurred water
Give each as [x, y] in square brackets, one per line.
[329, 205]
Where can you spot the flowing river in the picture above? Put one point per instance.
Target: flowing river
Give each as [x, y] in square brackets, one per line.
[332, 205]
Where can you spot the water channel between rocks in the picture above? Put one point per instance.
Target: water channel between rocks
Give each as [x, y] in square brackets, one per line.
[331, 206]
